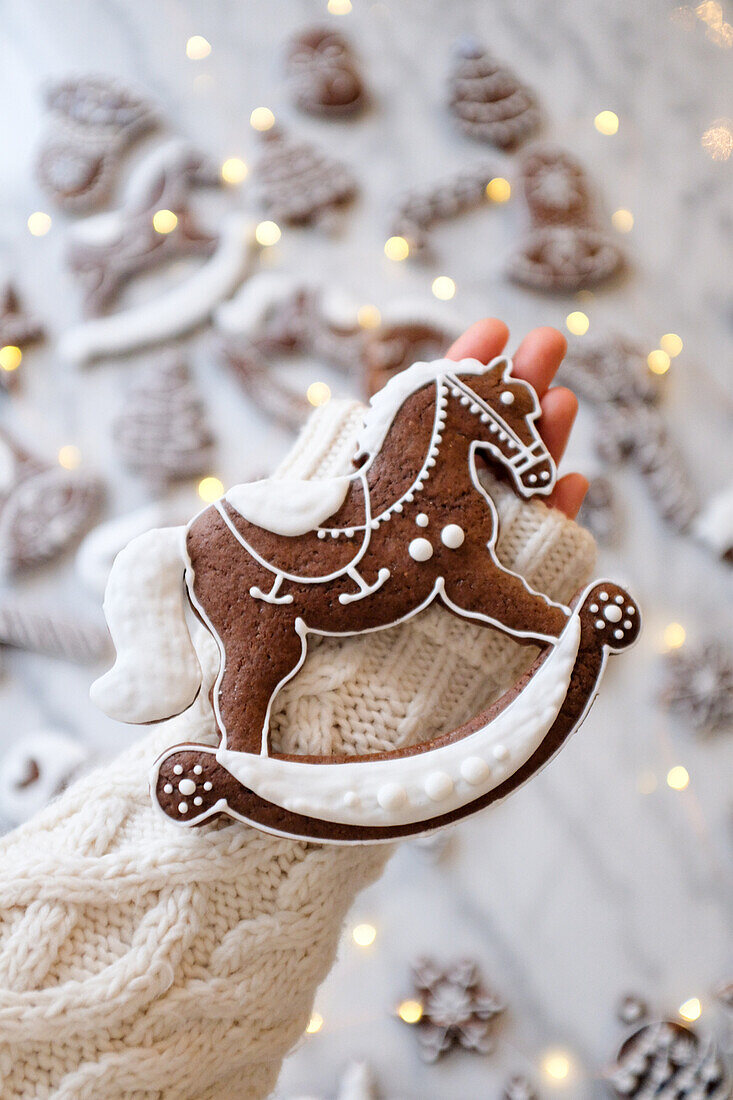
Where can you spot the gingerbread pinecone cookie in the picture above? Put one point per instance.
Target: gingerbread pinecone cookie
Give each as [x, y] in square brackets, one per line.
[565, 249]
[163, 433]
[43, 507]
[487, 100]
[94, 119]
[298, 184]
[323, 74]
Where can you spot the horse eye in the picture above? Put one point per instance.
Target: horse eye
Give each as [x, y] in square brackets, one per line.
[507, 398]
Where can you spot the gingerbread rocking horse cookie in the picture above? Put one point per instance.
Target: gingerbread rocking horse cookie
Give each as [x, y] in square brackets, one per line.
[275, 561]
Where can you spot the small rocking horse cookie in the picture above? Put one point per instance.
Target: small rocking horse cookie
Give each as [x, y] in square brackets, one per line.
[276, 561]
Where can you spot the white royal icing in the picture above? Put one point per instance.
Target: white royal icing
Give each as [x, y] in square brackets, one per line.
[174, 311]
[156, 673]
[420, 550]
[289, 507]
[409, 789]
[249, 307]
[452, 536]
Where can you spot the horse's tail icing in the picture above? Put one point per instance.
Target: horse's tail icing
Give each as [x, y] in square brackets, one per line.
[156, 673]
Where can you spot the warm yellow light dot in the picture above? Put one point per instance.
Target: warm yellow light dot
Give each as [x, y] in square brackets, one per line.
[672, 344]
[364, 935]
[498, 190]
[658, 361]
[396, 248]
[410, 1011]
[369, 317]
[339, 7]
[10, 357]
[234, 170]
[444, 288]
[69, 456]
[606, 122]
[691, 1009]
[39, 223]
[262, 119]
[164, 221]
[717, 141]
[674, 635]
[318, 393]
[678, 777]
[556, 1065]
[577, 323]
[314, 1024]
[210, 488]
[646, 783]
[267, 233]
[622, 220]
[197, 48]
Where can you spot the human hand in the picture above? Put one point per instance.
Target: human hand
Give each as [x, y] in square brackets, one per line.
[536, 361]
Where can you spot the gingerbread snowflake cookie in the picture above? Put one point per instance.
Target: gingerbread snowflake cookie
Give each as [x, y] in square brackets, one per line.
[457, 1009]
[323, 74]
[566, 249]
[276, 561]
[94, 118]
[487, 100]
[43, 507]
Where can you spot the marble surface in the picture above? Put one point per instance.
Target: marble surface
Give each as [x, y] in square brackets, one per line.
[581, 887]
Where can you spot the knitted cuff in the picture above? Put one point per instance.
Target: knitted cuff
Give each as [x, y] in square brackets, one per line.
[139, 960]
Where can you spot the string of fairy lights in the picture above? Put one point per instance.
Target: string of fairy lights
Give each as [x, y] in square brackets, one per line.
[557, 1066]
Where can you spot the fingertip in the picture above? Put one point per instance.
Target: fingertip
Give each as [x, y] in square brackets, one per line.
[483, 341]
[569, 494]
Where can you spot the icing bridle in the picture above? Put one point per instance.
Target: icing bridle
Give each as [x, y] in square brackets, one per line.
[530, 465]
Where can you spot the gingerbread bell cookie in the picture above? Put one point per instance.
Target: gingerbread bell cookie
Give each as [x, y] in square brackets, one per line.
[274, 562]
[93, 120]
[566, 249]
[323, 74]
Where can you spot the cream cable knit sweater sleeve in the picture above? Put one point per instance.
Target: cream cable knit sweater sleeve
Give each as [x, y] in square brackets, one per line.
[143, 961]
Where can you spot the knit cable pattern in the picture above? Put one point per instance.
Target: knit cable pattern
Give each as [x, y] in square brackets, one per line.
[146, 962]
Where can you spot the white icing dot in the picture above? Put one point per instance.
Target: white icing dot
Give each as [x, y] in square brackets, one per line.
[350, 530]
[628, 624]
[430, 462]
[630, 610]
[603, 596]
[600, 624]
[421, 519]
[391, 796]
[594, 609]
[177, 769]
[618, 634]
[197, 769]
[493, 427]
[351, 798]
[208, 785]
[484, 418]
[334, 534]
[168, 789]
[464, 400]
[374, 524]
[501, 752]
[438, 786]
[410, 497]
[452, 536]
[532, 479]
[502, 436]
[545, 475]
[420, 550]
[613, 613]
[474, 408]
[475, 770]
[619, 599]
[321, 534]
[507, 398]
[511, 445]
[198, 800]
[437, 439]
[187, 786]
[182, 807]
[385, 516]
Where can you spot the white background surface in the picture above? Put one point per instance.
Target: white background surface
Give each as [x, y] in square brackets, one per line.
[580, 888]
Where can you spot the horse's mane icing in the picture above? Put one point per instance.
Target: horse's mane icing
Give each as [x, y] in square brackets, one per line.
[387, 402]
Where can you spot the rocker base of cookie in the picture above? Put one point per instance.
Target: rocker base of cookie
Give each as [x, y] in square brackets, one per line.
[190, 786]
